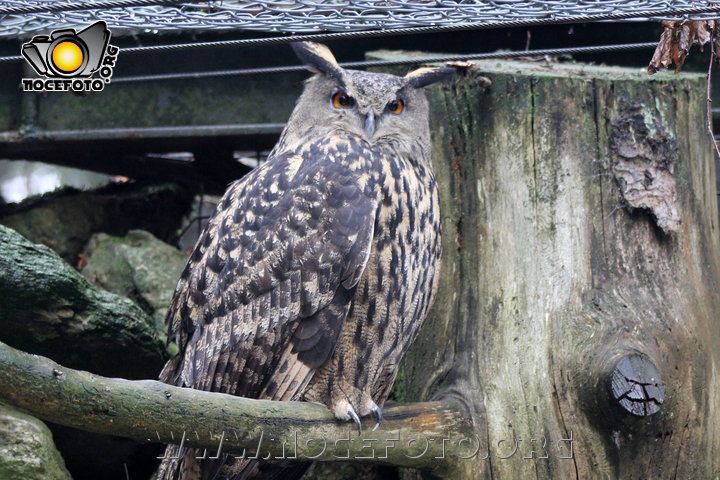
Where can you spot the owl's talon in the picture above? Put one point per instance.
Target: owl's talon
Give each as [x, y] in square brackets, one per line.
[378, 415]
[355, 418]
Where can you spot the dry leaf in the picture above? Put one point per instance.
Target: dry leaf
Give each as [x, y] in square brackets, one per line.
[687, 36]
[704, 32]
[676, 41]
[661, 58]
[678, 56]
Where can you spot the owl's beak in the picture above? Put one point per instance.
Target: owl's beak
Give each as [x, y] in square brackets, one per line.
[370, 124]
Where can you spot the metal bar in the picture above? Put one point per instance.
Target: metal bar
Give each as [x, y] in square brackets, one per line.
[142, 133]
[382, 63]
[216, 73]
[551, 18]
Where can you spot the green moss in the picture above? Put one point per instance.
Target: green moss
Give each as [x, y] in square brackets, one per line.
[398, 393]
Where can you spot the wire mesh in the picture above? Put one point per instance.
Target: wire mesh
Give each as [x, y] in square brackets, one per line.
[20, 18]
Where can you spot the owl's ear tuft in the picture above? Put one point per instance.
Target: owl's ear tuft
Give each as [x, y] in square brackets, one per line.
[422, 77]
[318, 58]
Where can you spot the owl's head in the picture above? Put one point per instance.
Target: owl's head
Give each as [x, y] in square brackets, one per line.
[375, 106]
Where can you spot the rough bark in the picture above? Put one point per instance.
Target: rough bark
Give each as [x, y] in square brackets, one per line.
[149, 411]
[580, 273]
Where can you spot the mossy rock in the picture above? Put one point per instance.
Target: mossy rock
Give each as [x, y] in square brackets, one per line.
[137, 266]
[27, 451]
[48, 308]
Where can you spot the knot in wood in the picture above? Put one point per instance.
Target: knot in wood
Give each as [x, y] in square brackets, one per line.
[636, 385]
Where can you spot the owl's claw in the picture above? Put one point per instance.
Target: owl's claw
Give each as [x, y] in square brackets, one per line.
[378, 416]
[355, 418]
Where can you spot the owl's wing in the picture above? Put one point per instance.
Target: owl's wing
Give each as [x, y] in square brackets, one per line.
[265, 292]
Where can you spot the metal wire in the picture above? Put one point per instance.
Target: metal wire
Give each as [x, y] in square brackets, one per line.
[66, 7]
[385, 63]
[342, 17]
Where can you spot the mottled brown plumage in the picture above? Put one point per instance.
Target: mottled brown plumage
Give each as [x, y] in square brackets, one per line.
[316, 271]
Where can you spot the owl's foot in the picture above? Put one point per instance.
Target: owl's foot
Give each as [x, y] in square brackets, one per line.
[355, 418]
[378, 417]
[344, 409]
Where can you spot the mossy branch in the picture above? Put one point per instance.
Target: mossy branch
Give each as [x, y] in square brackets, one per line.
[430, 435]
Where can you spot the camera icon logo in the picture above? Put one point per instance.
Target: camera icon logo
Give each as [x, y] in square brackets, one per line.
[68, 54]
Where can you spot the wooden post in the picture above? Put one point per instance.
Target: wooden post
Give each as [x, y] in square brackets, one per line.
[577, 320]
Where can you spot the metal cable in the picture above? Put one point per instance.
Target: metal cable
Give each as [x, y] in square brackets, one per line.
[97, 5]
[384, 63]
[341, 16]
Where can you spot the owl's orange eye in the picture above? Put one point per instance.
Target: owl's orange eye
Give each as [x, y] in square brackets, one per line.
[396, 106]
[342, 100]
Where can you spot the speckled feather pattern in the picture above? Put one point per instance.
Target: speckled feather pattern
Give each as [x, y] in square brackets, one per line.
[314, 274]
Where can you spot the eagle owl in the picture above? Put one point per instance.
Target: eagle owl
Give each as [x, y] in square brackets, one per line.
[317, 269]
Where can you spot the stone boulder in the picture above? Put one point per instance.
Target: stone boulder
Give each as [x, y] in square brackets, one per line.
[137, 266]
[48, 308]
[27, 451]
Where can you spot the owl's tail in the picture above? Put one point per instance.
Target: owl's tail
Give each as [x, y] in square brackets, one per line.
[175, 466]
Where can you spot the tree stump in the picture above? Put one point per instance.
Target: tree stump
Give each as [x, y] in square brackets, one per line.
[577, 320]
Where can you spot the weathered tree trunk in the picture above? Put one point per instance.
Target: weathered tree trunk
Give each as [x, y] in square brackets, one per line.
[580, 242]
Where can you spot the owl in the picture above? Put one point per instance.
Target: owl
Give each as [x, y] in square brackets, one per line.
[317, 269]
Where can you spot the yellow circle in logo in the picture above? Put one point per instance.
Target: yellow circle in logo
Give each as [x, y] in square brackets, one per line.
[67, 56]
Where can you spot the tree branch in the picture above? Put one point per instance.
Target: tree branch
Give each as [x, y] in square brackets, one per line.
[431, 435]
